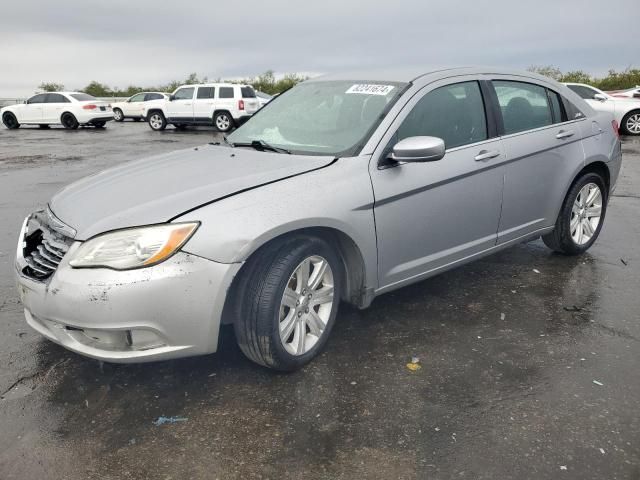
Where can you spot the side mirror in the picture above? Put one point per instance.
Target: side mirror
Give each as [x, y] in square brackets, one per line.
[172, 97]
[600, 97]
[418, 149]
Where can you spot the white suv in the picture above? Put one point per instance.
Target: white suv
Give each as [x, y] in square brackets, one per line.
[133, 107]
[223, 105]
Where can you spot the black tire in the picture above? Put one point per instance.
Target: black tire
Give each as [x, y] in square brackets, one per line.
[44, 126]
[99, 124]
[560, 239]
[636, 118]
[10, 121]
[258, 293]
[118, 116]
[223, 121]
[157, 121]
[69, 121]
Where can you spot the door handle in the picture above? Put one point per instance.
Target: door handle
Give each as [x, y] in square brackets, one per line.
[564, 134]
[486, 155]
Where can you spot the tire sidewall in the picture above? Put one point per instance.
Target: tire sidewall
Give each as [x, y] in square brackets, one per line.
[568, 206]
[283, 360]
[624, 128]
[163, 123]
[14, 119]
[118, 116]
[72, 125]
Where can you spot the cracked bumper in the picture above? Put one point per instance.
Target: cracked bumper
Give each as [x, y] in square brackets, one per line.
[170, 310]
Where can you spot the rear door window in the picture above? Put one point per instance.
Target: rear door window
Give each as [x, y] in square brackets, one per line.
[153, 96]
[556, 107]
[138, 98]
[455, 113]
[225, 92]
[524, 106]
[57, 98]
[206, 92]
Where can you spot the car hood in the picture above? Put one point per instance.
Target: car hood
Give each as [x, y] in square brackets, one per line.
[160, 188]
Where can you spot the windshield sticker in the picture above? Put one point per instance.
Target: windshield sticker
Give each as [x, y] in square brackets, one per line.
[370, 89]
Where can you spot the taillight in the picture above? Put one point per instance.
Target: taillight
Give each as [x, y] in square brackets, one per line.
[616, 128]
[240, 104]
[91, 106]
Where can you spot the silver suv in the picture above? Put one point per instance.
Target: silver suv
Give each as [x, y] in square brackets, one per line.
[346, 187]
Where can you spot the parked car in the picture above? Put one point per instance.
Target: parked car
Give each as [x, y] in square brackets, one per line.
[133, 107]
[70, 109]
[263, 98]
[223, 105]
[346, 188]
[630, 93]
[626, 111]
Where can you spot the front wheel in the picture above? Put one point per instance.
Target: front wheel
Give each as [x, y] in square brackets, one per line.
[286, 302]
[157, 121]
[223, 121]
[69, 121]
[581, 216]
[631, 123]
[10, 121]
[118, 116]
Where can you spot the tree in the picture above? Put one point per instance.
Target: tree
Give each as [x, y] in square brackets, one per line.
[546, 70]
[51, 87]
[98, 89]
[577, 76]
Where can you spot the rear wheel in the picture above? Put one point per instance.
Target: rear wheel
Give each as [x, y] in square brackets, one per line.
[631, 123]
[10, 121]
[69, 121]
[286, 301]
[223, 121]
[157, 121]
[118, 116]
[581, 216]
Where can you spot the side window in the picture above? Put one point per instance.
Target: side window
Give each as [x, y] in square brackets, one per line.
[152, 96]
[573, 112]
[225, 92]
[184, 93]
[584, 92]
[206, 92]
[454, 113]
[40, 98]
[137, 98]
[524, 106]
[57, 98]
[556, 107]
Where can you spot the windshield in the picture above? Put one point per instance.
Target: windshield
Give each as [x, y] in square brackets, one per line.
[331, 118]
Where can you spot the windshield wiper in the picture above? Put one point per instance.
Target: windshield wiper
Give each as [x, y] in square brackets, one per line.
[261, 146]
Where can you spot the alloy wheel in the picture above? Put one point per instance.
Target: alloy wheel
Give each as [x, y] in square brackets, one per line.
[223, 123]
[155, 121]
[306, 305]
[10, 121]
[633, 124]
[586, 214]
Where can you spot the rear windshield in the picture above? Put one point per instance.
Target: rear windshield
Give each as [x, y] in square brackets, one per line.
[82, 97]
[248, 92]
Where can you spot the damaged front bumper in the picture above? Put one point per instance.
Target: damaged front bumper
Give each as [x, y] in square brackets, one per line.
[170, 310]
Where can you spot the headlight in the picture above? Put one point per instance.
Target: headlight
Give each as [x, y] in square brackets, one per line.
[133, 247]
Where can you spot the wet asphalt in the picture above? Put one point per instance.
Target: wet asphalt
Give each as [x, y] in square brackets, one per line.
[529, 364]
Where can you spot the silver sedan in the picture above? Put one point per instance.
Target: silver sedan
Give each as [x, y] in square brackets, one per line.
[346, 187]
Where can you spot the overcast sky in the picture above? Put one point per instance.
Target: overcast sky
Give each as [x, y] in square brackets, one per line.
[144, 42]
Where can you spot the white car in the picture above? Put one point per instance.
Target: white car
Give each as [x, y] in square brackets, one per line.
[133, 107]
[630, 93]
[263, 98]
[626, 111]
[70, 109]
[223, 105]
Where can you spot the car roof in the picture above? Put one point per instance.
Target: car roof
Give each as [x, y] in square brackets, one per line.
[406, 75]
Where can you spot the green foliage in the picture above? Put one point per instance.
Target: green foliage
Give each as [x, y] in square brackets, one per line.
[267, 82]
[51, 87]
[98, 89]
[628, 78]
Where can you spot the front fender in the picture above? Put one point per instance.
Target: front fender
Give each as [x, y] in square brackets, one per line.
[338, 197]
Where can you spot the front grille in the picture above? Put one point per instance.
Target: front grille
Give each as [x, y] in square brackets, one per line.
[44, 248]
